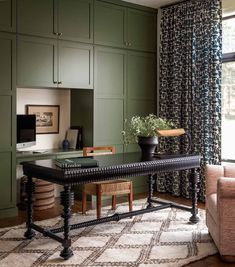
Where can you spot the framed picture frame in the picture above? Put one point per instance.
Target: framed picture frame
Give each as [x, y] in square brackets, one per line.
[47, 118]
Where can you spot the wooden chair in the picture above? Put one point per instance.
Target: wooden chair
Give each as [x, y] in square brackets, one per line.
[105, 188]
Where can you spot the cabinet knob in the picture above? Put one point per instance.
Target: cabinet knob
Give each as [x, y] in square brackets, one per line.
[54, 82]
[59, 82]
[59, 33]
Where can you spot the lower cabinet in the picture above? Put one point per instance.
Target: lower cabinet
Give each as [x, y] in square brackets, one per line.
[53, 63]
[7, 118]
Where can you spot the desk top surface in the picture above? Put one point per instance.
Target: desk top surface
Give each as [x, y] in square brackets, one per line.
[110, 166]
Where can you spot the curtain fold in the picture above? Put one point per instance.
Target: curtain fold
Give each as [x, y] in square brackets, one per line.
[190, 85]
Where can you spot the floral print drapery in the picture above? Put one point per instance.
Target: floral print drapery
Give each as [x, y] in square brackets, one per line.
[189, 91]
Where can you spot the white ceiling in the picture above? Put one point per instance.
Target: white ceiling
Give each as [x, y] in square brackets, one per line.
[228, 5]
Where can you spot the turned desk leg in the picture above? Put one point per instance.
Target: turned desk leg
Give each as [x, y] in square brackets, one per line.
[194, 185]
[30, 187]
[67, 200]
[150, 190]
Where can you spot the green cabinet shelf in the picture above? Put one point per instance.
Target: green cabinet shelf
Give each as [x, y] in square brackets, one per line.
[124, 27]
[62, 19]
[56, 64]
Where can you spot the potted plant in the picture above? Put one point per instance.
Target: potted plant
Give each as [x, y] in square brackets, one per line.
[144, 131]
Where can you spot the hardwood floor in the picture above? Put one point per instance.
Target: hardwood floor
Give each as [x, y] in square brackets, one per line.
[211, 261]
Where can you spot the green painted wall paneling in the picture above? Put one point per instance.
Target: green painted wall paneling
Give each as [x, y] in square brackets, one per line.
[50, 63]
[82, 103]
[118, 26]
[7, 118]
[75, 65]
[63, 19]
[7, 15]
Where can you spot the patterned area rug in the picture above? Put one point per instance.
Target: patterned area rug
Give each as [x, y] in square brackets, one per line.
[162, 238]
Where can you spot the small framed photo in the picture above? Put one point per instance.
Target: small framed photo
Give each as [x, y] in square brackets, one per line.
[47, 118]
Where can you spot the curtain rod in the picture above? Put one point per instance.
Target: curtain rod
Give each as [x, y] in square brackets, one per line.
[173, 4]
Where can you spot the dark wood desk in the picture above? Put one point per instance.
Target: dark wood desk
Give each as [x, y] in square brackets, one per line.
[110, 167]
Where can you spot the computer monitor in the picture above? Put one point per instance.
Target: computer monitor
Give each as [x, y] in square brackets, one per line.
[26, 131]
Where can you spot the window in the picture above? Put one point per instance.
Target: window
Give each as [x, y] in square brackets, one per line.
[228, 89]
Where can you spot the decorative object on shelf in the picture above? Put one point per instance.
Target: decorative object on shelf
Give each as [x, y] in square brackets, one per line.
[47, 118]
[143, 130]
[65, 144]
[72, 136]
[80, 136]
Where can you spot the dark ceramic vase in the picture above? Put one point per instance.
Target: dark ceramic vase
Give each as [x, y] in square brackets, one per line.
[148, 145]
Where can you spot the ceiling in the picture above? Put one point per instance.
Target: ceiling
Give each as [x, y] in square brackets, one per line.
[228, 5]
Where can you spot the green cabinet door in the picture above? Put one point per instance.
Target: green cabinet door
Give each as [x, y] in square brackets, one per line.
[7, 15]
[36, 17]
[141, 91]
[36, 62]
[110, 86]
[75, 20]
[109, 24]
[141, 30]
[75, 65]
[7, 118]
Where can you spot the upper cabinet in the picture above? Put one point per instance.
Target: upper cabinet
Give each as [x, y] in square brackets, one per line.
[7, 15]
[43, 62]
[124, 27]
[63, 19]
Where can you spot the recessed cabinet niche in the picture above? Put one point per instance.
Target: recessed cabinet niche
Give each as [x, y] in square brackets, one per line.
[50, 63]
[124, 27]
[63, 19]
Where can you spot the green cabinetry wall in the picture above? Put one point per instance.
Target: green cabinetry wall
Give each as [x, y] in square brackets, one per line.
[7, 118]
[124, 27]
[7, 15]
[63, 19]
[43, 62]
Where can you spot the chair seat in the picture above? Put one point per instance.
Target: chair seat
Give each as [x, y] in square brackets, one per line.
[109, 188]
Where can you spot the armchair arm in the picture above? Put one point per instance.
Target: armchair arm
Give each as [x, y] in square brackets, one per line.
[213, 173]
[226, 187]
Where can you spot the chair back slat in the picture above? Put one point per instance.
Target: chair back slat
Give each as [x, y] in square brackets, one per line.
[98, 150]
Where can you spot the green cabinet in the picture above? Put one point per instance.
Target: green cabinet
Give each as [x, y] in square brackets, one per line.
[75, 65]
[50, 63]
[124, 27]
[124, 83]
[7, 118]
[7, 15]
[63, 19]
[109, 102]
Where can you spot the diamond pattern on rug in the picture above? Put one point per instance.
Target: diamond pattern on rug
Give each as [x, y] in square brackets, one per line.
[164, 238]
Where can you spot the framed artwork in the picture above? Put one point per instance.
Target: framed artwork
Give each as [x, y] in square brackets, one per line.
[47, 118]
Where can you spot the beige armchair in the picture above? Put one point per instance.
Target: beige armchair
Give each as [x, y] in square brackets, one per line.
[220, 208]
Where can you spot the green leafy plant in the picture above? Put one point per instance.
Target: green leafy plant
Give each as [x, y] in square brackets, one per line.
[143, 127]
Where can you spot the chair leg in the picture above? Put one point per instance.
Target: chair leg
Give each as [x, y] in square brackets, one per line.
[114, 201]
[98, 201]
[130, 197]
[83, 202]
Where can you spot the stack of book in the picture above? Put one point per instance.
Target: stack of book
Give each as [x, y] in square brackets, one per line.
[76, 163]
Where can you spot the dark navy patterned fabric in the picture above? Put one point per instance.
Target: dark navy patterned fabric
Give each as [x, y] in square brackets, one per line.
[190, 85]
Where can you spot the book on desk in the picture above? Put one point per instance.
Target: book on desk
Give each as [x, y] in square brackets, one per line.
[76, 163]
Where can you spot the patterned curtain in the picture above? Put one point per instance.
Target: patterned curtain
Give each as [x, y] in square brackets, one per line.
[190, 85]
